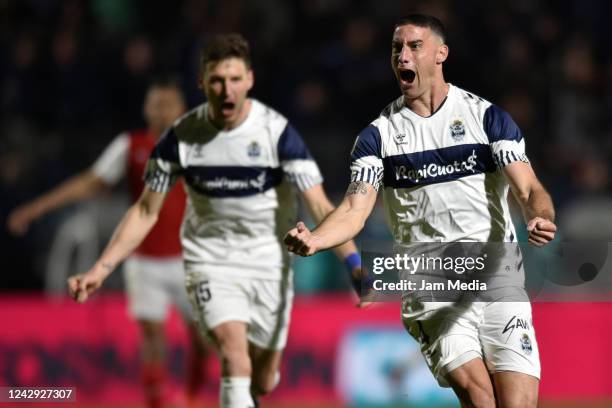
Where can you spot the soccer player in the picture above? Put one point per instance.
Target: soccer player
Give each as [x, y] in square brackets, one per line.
[445, 159]
[154, 274]
[244, 166]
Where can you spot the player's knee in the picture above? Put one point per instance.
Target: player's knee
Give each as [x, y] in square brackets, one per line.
[235, 360]
[520, 400]
[233, 364]
[478, 397]
[153, 341]
[265, 384]
[151, 330]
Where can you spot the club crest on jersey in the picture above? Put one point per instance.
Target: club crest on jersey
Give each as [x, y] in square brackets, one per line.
[254, 150]
[457, 130]
[526, 344]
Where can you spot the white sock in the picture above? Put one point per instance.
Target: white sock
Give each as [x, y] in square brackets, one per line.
[236, 392]
[277, 378]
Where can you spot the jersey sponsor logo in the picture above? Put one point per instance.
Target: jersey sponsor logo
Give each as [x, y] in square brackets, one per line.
[526, 344]
[437, 165]
[225, 183]
[232, 181]
[457, 129]
[434, 170]
[254, 150]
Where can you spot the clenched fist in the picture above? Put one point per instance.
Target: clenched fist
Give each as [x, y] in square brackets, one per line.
[541, 231]
[301, 241]
[81, 286]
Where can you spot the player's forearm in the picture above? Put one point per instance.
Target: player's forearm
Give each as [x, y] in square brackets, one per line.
[320, 211]
[77, 188]
[339, 227]
[538, 204]
[129, 234]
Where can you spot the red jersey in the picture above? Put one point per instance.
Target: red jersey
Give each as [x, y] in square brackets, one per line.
[163, 240]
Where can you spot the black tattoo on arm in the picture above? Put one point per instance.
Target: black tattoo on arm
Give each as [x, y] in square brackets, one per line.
[357, 187]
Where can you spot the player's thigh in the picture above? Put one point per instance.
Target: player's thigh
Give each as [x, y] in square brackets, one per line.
[516, 390]
[448, 339]
[472, 384]
[230, 337]
[270, 312]
[148, 297]
[508, 339]
[217, 300]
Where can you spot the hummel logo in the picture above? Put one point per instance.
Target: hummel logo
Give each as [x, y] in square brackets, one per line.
[399, 138]
[197, 151]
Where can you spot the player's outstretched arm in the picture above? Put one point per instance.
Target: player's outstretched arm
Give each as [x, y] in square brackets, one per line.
[131, 231]
[339, 226]
[77, 188]
[535, 202]
[320, 207]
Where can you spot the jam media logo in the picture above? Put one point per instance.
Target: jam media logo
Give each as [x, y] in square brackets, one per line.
[457, 130]
[254, 150]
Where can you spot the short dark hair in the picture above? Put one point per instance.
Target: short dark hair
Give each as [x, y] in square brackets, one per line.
[424, 20]
[226, 46]
[165, 81]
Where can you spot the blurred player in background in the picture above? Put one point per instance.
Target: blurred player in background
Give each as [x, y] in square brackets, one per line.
[244, 166]
[154, 273]
[446, 158]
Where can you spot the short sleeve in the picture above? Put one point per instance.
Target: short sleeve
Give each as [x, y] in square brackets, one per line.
[366, 160]
[296, 161]
[505, 138]
[111, 166]
[163, 167]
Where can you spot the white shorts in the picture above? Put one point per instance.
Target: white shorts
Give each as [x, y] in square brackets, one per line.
[263, 304]
[500, 333]
[153, 284]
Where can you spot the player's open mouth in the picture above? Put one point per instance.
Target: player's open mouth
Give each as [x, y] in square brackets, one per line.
[227, 107]
[407, 75]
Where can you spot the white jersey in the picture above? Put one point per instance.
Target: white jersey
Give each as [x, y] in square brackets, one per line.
[112, 165]
[442, 174]
[241, 186]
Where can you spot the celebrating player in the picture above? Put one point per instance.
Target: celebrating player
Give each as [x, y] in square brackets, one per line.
[154, 274]
[445, 158]
[242, 163]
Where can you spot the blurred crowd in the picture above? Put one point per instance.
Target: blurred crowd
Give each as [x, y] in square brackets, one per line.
[73, 75]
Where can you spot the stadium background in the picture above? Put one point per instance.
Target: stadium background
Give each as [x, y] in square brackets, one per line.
[73, 74]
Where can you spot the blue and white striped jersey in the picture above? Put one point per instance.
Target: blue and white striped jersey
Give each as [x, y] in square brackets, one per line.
[241, 187]
[441, 174]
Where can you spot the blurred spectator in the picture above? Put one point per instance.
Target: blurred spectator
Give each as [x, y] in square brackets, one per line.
[20, 84]
[130, 80]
